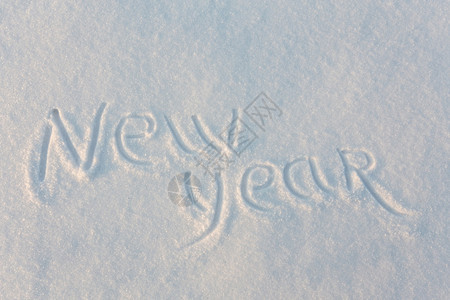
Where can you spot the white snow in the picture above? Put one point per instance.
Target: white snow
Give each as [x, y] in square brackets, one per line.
[331, 121]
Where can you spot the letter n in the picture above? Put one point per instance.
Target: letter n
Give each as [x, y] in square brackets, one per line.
[58, 123]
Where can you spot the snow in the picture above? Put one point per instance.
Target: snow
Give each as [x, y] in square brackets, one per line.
[331, 124]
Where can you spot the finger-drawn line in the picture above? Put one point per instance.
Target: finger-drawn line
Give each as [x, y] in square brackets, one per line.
[200, 130]
[177, 136]
[199, 206]
[44, 153]
[288, 181]
[94, 137]
[189, 190]
[218, 211]
[348, 168]
[148, 130]
[270, 178]
[187, 182]
[121, 146]
[376, 195]
[233, 127]
[370, 160]
[348, 176]
[65, 136]
[318, 176]
[246, 195]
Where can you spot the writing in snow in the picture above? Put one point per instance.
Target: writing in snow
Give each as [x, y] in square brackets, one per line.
[235, 139]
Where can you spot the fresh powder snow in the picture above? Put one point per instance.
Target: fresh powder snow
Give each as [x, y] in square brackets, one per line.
[224, 149]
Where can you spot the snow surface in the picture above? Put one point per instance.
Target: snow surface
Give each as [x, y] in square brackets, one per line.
[341, 193]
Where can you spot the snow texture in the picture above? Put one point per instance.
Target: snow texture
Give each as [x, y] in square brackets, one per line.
[224, 149]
